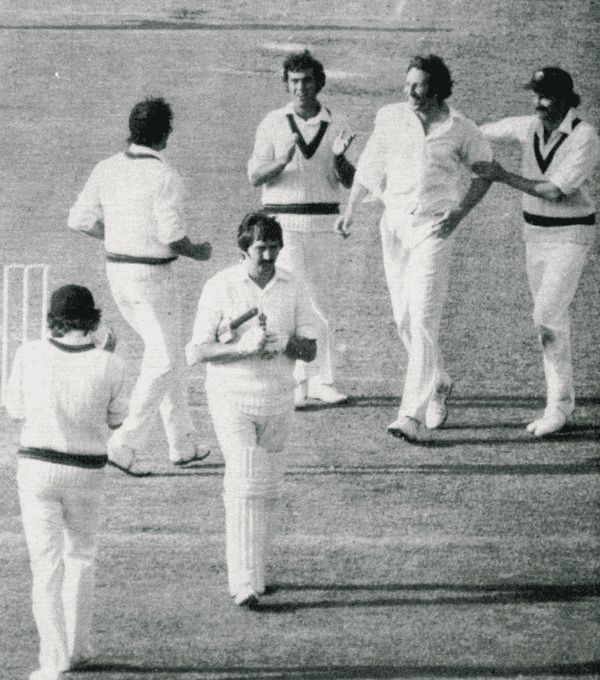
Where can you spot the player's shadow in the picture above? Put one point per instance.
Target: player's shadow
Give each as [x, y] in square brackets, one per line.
[351, 672]
[352, 596]
[584, 467]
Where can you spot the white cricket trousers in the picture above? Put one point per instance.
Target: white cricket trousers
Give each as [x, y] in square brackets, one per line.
[148, 298]
[252, 446]
[417, 278]
[554, 269]
[61, 511]
[313, 257]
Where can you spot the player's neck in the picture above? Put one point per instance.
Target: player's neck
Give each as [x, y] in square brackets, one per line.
[307, 110]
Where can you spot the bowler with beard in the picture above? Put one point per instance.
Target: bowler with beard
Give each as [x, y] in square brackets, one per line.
[559, 154]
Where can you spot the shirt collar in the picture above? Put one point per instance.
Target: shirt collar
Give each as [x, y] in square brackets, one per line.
[139, 149]
[567, 123]
[566, 126]
[323, 115]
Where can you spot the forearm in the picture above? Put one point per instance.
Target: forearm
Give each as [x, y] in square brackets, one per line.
[304, 349]
[357, 194]
[344, 170]
[545, 190]
[268, 172]
[185, 248]
[476, 191]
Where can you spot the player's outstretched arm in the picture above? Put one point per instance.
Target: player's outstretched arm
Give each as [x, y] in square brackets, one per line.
[196, 251]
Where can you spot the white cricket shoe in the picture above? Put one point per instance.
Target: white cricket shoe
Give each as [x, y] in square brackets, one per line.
[437, 411]
[301, 394]
[409, 429]
[325, 393]
[552, 421]
[246, 597]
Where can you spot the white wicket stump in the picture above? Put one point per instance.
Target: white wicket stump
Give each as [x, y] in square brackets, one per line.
[24, 310]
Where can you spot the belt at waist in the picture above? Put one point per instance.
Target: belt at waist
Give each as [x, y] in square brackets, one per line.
[546, 221]
[302, 208]
[75, 459]
[134, 259]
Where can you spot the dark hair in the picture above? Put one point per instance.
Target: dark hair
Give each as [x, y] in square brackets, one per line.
[300, 62]
[59, 325]
[440, 80]
[257, 226]
[150, 122]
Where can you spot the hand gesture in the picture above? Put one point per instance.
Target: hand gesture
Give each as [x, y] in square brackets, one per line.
[342, 225]
[448, 223]
[253, 341]
[342, 142]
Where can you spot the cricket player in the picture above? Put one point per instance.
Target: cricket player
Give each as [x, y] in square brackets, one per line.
[68, 392]
[418, 162]
[133, 200]
[250, 386]
[559, 154]
[298, 160]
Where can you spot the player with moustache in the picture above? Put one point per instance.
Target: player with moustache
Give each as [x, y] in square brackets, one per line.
[299, 161]
[134, 202]
[560, 152]
[418, 163]
[250, 388]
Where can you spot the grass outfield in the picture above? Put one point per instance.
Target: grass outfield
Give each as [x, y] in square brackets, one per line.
[475, 557]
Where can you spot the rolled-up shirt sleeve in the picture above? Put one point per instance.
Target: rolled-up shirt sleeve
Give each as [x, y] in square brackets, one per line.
[87, 209]
[119, 402]
[264, 149]
[168, 208]
[514, 128]
[13, 399]
[370, 170]
[477, 148]
[209, 314]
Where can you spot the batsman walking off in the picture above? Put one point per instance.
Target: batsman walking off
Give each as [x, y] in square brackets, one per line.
[250, 388]
[133, 200]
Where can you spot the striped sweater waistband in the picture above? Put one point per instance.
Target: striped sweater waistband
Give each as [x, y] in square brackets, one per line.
[545, 221]
[134, 259]
[81, 460]
[302, 208]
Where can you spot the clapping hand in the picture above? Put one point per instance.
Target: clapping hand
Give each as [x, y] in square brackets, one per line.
[342, 142]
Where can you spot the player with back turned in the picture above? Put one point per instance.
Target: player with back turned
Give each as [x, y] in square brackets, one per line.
[68, 392]
[560, 152]
[133, 200]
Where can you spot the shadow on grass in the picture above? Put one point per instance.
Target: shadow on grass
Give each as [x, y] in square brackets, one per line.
[437, 594]
[365, 672]
[464, 401]
[585, 467]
